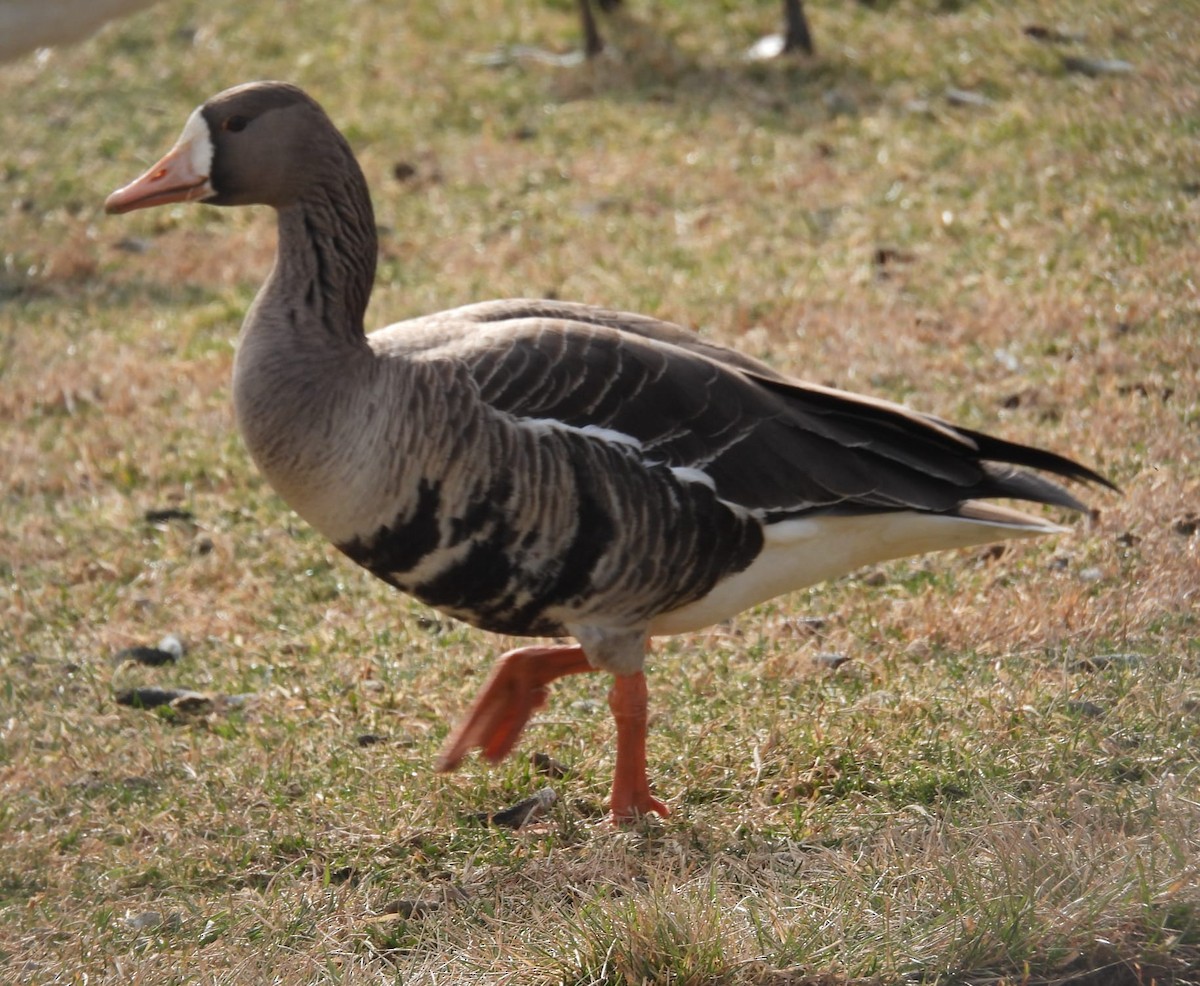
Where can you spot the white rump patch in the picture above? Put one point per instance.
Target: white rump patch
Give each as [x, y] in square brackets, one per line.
[807, 550]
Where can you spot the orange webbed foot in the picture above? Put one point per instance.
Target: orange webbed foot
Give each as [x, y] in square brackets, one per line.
[514, 691]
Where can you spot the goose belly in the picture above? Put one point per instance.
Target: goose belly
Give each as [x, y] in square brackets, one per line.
[552, 530]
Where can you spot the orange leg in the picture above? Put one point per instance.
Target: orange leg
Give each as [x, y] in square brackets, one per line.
[515, 690]
[631, 787]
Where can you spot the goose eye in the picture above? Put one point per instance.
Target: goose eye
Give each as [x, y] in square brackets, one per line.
[235, 124]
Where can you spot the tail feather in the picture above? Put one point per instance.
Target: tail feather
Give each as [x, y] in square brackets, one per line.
[992, 449]
[1017, 484]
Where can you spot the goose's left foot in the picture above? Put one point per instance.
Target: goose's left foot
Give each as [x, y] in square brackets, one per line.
[513, 693]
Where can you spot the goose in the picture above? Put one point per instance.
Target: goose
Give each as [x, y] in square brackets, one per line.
[29, 24]
[796, 35]
[547, 469]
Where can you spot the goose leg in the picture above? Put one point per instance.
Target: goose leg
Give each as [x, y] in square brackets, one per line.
[631, 787]
[592, 42]
[796, 34]
[515, 690]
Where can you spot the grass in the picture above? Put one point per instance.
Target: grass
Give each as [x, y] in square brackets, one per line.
[981, 793]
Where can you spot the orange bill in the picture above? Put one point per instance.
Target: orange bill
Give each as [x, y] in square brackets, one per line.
[178, 177]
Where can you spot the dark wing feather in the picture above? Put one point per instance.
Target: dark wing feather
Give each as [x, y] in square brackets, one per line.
[768, 443]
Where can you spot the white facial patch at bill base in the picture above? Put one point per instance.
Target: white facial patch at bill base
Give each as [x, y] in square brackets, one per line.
[197, 138]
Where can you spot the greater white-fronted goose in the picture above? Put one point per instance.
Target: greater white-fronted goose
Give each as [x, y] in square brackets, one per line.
[548, 469]
[29, 24]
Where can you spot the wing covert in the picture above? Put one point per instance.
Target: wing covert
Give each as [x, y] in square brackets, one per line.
[767, 443]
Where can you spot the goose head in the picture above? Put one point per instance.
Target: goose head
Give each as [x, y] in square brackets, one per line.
[262, 143]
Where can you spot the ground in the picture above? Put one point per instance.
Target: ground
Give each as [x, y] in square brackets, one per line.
[972, 767]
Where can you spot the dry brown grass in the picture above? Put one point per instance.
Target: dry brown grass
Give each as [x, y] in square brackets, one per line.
[963, 800]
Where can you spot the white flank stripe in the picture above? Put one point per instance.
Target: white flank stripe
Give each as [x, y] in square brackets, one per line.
[687, 474]
[613, 437]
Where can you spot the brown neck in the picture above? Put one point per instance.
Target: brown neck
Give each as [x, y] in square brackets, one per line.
[325, 262]
[303, 347]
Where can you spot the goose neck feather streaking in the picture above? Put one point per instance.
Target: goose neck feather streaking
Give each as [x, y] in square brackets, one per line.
[548, 469]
